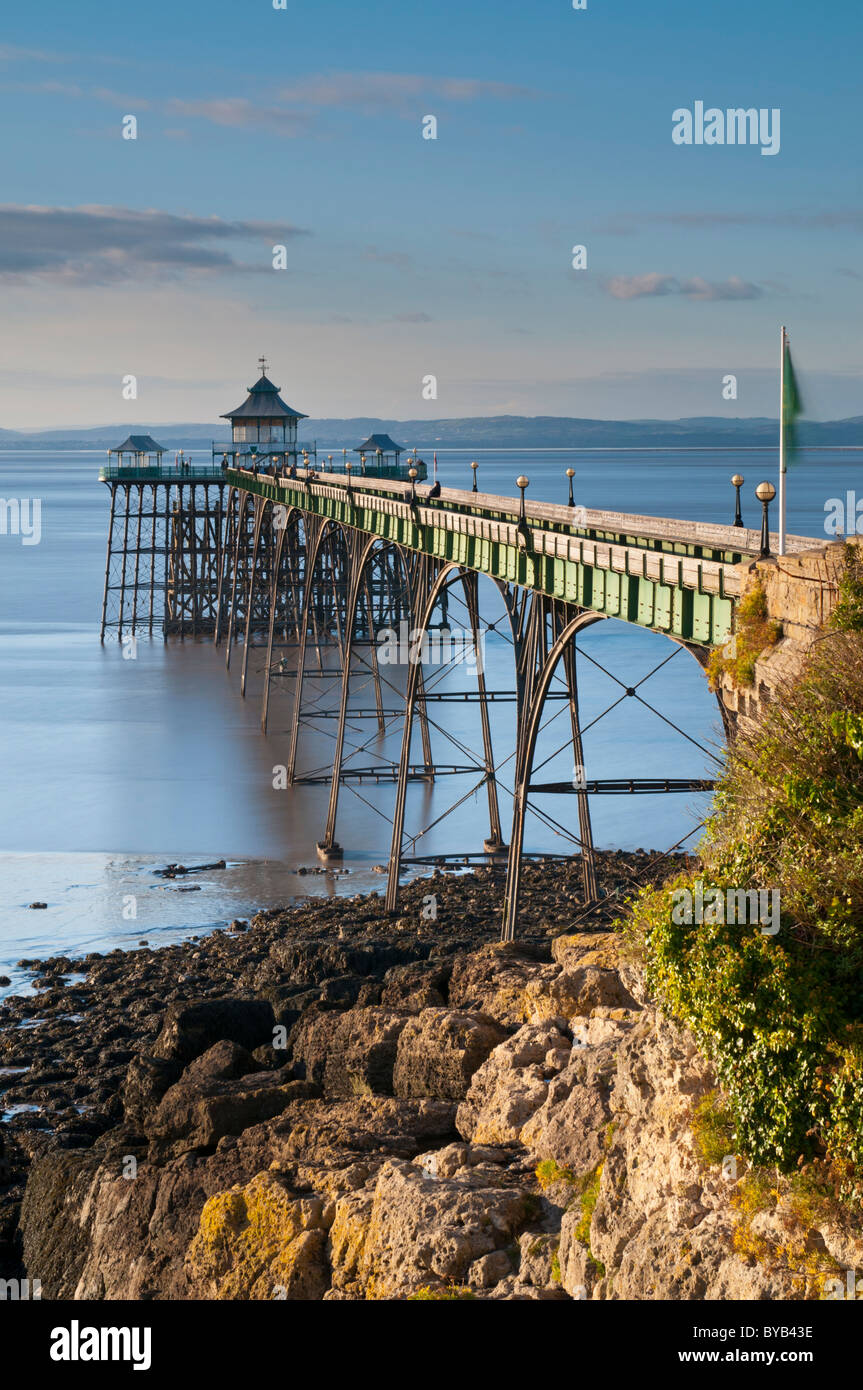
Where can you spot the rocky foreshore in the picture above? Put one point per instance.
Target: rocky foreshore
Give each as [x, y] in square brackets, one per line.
[331, 1104]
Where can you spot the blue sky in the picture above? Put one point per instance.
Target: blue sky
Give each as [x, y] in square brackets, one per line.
[409, 257]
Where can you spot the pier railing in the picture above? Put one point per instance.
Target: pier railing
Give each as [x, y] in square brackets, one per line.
[162, 473]
[695, 539]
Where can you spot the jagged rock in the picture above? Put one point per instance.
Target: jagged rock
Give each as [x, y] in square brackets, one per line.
[512, 1083]
[201, 1107]
[418, 1232]
[343, 990]
[224, 1061]
[514, 1290]
[445, 1162]
[569, 1127]
[338, 1136]
[493, 980]
[577, 992]
[488, 1270]
[586, 948]
[439, 1051]
[395, 1196]
[420, 985]
[189, 1029]
[662, 1226]
[259, 1242]
[288, 1001]
[312, 962]
[352, 1053]
[537, 1260]
[146, 1081]
[578, 1272]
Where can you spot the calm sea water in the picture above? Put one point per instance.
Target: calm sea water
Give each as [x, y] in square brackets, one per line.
[112, 768]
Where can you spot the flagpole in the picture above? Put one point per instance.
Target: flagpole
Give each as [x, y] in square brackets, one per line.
[782, 459]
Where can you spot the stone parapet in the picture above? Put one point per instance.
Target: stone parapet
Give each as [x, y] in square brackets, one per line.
[801, 591]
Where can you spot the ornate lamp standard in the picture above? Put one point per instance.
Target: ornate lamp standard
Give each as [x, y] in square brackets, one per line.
[522, 532]
[474, 466]
[765, 492]
[737, 481]
[570, 473]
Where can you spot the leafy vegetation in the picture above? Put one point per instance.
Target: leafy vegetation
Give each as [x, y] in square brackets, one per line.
[848, 614]
[754, 632]
[589, 1195]
[449, 1293]
[782, 1015]
[713, 1128]
[548, 1173]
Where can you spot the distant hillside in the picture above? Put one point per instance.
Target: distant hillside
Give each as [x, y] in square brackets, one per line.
[475, 432]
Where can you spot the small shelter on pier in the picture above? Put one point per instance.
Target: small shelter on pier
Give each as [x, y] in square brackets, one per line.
[381, 450]
[264, 427]
[141, 448]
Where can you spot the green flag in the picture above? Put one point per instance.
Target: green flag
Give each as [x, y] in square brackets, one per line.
[792, 406]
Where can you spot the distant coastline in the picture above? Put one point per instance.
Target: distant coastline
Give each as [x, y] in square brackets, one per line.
[514, 432]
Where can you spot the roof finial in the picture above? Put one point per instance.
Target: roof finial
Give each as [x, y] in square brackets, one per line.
[263, 365]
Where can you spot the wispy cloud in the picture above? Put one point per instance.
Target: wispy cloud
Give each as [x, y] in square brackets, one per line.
[385, 91]
[291, 111]
[240, 112]
[640, 286]
[732, 288]
[655, 284]
[100, 245]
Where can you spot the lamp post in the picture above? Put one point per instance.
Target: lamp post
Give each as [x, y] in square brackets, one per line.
[412, 474]
[474, 466]
[522, 532]
[570, 473]
[348, 467]
[765, 492]
[522, 482]
[737, 481]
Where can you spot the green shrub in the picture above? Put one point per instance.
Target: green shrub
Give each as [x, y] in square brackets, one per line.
[754, 632]
[782, 1016]
[848, 614]
[713, 1129]
[589, 1197]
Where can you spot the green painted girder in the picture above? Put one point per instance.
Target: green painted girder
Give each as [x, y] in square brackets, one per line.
[691, 612]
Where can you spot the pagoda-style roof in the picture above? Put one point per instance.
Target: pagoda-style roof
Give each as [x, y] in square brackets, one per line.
[379, 441]
[139, 444]
[263, 403]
